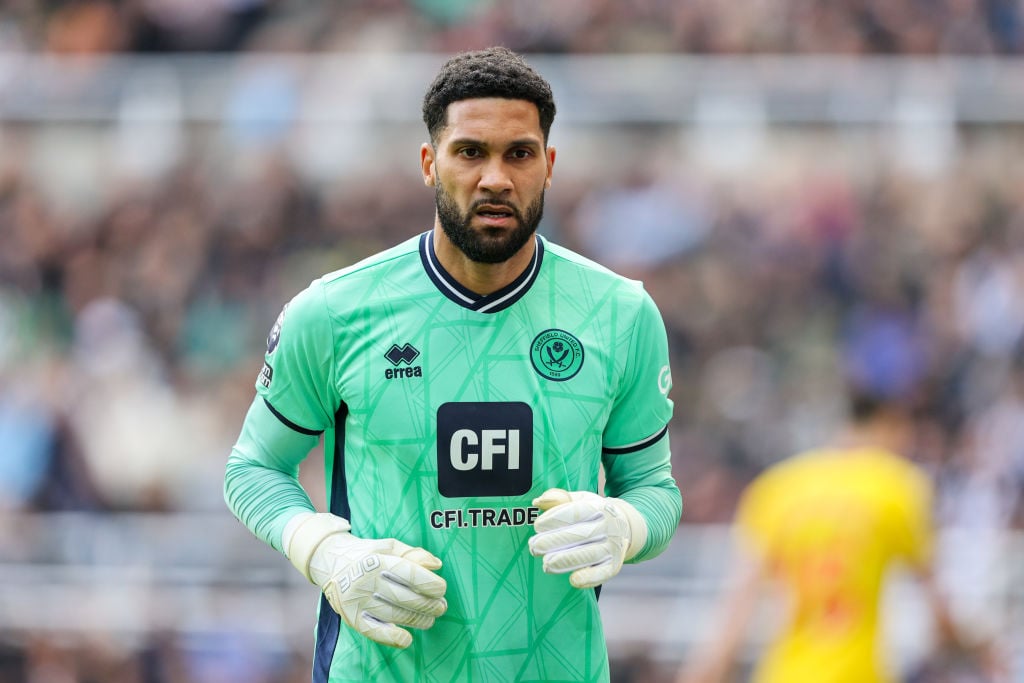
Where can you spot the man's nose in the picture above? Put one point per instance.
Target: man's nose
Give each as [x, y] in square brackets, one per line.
[495, 178]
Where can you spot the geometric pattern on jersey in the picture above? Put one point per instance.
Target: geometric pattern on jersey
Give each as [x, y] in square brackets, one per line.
[375, 354]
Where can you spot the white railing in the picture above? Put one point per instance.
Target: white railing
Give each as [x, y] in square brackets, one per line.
[608, 89]
[137, 575]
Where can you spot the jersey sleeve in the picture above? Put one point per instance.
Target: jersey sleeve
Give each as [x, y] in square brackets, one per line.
[261, 479]
[642, 408]
[297, 379]
[912, 522]
[636, 454]
[296, 400]
[644, 479]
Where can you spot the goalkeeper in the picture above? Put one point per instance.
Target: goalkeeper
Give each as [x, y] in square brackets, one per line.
[471, 385]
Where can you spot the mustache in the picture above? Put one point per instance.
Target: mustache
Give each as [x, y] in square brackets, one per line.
[494, 202]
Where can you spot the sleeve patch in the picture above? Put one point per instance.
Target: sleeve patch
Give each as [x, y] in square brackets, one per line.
[275, 333]
[266, 376]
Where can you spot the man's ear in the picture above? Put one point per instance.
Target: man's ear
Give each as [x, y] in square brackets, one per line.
[427, 163]
[549, 152]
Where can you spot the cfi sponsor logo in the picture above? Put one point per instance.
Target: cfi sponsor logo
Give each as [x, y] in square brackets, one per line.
[401, 357]
[484, 449]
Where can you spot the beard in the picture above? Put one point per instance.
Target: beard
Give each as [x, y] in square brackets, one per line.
[488, 245]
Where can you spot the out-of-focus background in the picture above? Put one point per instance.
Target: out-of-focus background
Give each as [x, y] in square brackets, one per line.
[810, 190]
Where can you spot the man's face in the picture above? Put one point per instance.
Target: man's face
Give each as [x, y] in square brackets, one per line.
[489, 171]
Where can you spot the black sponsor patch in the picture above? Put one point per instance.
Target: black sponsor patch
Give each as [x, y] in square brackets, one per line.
[266, 375]
[484, 449]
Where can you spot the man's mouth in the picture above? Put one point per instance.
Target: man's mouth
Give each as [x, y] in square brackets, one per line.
[492, 211]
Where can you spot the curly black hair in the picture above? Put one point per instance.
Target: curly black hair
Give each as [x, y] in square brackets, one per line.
[493, 72]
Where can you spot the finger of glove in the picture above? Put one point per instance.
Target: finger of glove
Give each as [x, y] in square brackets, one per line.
[572, 559]
[382, 632]
[385, 611]
[403, 596]
[396, 579]
[567, 536]
[420, 556]
[566, 514]
[414, 576]
[551, 498]
[588, 577]
[364, 609]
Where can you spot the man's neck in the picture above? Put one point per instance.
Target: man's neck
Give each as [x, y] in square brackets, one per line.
[878, 433]
[480, 278]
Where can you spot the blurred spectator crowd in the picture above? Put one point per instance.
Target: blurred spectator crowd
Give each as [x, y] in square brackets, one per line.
[131, 324]
[861, 27]
[131, 333]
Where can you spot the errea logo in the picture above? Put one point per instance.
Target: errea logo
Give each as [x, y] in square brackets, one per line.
[399, 355]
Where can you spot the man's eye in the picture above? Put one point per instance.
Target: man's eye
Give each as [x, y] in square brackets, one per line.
[521, 154]
[470, 152]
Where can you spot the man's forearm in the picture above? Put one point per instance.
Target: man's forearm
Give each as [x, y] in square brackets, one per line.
[645, 481]
[263, 499]
[261, 485]
[661, 507]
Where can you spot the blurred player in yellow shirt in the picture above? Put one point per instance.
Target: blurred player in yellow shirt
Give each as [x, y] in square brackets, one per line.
[827, 525]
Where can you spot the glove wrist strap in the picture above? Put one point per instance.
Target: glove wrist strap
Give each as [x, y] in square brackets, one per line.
[637, 528]
[306, 532]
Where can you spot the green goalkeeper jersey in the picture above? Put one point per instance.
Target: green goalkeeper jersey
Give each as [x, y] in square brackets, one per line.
[445, 413]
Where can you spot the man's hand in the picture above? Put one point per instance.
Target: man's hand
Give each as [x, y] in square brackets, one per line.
[586, 535]
[375, 585]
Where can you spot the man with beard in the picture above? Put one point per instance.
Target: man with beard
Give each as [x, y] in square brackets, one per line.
[471, 385]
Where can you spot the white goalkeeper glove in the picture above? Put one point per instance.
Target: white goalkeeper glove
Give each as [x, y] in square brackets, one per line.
[586, 535]
[376, 586]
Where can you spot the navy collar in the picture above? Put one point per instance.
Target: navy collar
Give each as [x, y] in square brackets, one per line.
[490, 303]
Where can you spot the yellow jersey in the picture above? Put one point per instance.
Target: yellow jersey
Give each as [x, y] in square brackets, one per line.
[829, 523]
